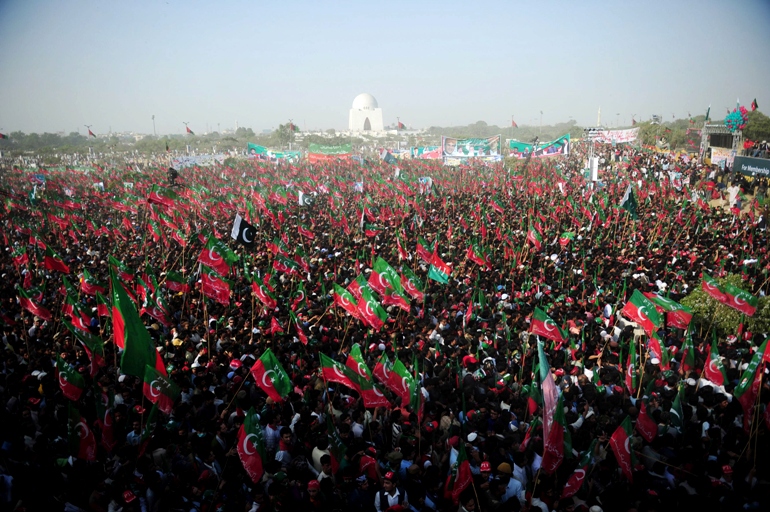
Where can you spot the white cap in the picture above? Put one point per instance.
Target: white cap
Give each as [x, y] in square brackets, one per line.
[472, 437]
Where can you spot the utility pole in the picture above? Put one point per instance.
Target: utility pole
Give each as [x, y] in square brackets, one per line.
[153, 126]
[541, 122]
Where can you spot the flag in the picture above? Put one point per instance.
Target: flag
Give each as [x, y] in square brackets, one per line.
[345, 300]
[243, 232]
[176, 282]
[3, 136]
[748, 387]
[299, 299]
[754, 105]
[370, 310]
[372, 396]
[714, 371]
[337, 447]
[740, 300]
[214, 286]
[159, 390]
[271, 377]
[91, 134]
[620, 442]
[424, 250]
[93, 345]
[513, 124]
[20, 257]
[439, 271]
[712, 288]
[251, 446]
[549, 392]
[645, 425]
[293, 127]
[70, 381]
[412, 285]
[534, 237]
[708, 111]
[130, 334]
[189, 130]
[544, 326]
[575, 481]
[333, 371]
[124, 273]
[642, 311]
[388, 158]
[285, 264]
[677, 315]
[400, 381]
[479, 256]
[460, 477]
[382, 369]
[81, 439]
[88, 284]
[265, 296]
[628, 202]
[384, 277]
[52, 261]
[677, 413]
[26, 302]
[402, 126]
[688, 352]
[565, 238]
[553, 447]
[217, 255]
[163, 196]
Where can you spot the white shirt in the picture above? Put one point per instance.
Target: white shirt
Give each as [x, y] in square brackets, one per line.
[391, 499]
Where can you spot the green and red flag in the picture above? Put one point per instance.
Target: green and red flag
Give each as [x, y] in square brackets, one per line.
[534, 237]
[124, 273]
[93, 345]
[251, 446]
[88, 284]
[620, 442]
[285, 264]
[712, 288]
[264, 294]
[642, 311]
[550, 392]
[740, 300]
[460, 477]
[544, 326]
[271, 377]
[372, 230]
[333, 371]
[80, 438]
[439, 271]
[479, 256]
[176, 282]
[748, 387]
[383, 369]
[424, 250]
[676, 412]
[553, 446]
[80, 318]
[372, 396]
[565, 238]
[102, 306]
[130, 334]
[645, 425]
[370, 310]
[575, 481]
[677, 315]
[214, 286]
[383, 277]
[217, 255]
[71, 382]
[298, 298]
[26, 302]
[159, 390]
[20, 256]
[714, 371]
[162, 195]
[412, 285]
[346, 301]
[52, 261]
[688, 353]
[337, 447]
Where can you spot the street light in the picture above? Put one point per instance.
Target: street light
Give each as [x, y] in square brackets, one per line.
[153, 126]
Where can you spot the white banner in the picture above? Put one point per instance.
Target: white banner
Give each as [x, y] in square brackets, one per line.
[628, 135]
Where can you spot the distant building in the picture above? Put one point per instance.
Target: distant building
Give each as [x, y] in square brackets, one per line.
[365, 115]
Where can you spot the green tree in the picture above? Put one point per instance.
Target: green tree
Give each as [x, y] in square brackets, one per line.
[757, 127]
[707, 310]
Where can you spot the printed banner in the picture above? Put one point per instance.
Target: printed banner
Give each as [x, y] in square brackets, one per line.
[719, 155]
[455, 161]
[752, 166]
[199, 160]
[262, 152]
[470, 148]
[556, 147]
[427, 152]
[344, 149]
[317, 158]
[620, 136]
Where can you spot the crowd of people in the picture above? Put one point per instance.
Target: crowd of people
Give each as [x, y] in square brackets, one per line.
[468, 342]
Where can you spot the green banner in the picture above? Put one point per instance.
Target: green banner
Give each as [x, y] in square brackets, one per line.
[752, 166]
[558, 146]
[256, 150]
[318, 149]
[469, 148]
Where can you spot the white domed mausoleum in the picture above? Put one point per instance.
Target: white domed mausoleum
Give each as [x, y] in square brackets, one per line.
[365, 115]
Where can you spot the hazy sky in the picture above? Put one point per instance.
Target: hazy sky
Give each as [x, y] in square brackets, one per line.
[66, 63]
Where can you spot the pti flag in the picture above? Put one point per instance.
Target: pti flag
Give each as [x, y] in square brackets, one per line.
[71, 382]
[642, 311]
[271, 377]
[620, 442]
[81, 439]
[160, 390]
[251, 446]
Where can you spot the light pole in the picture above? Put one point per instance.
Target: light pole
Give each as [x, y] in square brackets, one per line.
[153, 126]
[541, 122]
[617, 119]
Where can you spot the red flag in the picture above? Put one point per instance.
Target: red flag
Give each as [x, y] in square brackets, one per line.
[645, 425]
[620, 442]
[251, 446]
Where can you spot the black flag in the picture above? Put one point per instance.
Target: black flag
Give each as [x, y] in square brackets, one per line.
[243, 232]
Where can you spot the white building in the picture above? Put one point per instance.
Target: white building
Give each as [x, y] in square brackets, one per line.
[365, 115]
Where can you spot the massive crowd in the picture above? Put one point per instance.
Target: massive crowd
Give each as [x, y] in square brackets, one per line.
[468, 342]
